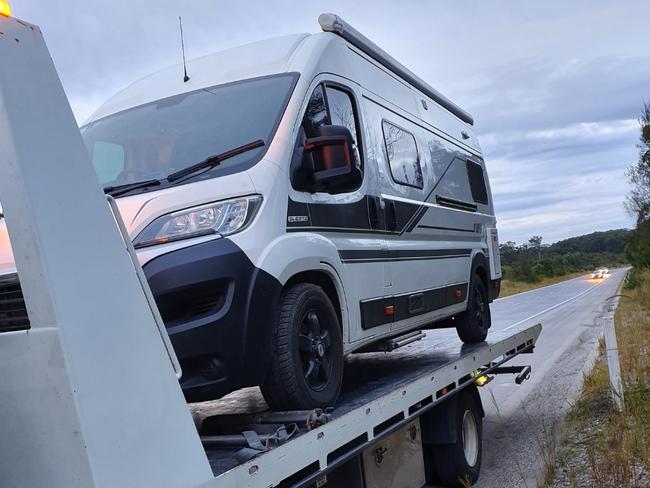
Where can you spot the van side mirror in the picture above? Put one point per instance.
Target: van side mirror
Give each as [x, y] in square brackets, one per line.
[332, 150]
[328, 162]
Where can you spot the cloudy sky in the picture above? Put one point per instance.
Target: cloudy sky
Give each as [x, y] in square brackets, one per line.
[555, 86]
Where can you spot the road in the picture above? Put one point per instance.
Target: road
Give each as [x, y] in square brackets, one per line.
[521, 420]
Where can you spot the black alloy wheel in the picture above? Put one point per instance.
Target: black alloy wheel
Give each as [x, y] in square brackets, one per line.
[314, 344]
[306, 366]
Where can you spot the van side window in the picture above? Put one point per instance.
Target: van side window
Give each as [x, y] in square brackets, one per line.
[316, 114]
[341, 110]
[402, 156]
[329, 105]
[477, 182]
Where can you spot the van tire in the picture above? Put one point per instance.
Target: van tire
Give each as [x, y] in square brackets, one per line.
[306, 367]
[451, 463]
[472, 325]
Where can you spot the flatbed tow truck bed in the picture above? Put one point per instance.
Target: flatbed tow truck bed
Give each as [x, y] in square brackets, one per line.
[382, 392]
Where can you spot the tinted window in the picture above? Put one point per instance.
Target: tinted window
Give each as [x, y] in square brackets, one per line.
[477, 182]
[341, 110]
[156, 139]
[316, 114]
[330, 106]
[402, 155]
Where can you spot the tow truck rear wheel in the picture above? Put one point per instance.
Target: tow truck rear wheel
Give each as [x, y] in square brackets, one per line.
[459, 463]
[473, 324]
[306, 369]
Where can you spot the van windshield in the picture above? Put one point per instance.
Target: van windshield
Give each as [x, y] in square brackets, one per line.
[153, 140]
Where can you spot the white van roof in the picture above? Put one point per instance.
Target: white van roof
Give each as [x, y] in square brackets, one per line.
[270, 56]
[262, 58]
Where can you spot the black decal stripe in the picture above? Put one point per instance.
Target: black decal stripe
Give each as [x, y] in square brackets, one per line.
[330, 217]
[404, 213]
[416, 219]
[346, 230]
[402, 217]
[340, 215]
[434, 227]
[373, 311]
[377, 255]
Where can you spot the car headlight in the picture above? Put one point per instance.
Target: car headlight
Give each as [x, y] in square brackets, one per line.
[222, 218]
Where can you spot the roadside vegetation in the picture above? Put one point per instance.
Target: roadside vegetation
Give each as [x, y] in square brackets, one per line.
[603, 447]
[533, 264]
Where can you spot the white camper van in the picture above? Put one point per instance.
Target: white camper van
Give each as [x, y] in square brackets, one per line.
[296, 200]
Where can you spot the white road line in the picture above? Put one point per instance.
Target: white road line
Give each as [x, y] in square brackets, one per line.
[554, 306]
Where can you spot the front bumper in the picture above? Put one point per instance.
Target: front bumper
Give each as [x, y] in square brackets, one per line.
[218, 309]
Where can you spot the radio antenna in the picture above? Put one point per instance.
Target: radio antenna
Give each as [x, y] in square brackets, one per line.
[185, 77]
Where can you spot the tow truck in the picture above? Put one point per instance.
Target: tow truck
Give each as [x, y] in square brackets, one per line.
[89, 388]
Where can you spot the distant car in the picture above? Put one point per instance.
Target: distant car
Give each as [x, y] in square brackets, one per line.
[597, 275]
[605, 271]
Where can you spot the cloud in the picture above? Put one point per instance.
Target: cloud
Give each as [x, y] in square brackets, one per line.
[559, 182]
[555, 87]
[536, 94]
[580, 138]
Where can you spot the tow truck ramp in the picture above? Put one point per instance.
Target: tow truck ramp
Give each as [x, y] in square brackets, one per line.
[384, 395]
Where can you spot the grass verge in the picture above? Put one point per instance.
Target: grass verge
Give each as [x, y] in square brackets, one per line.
[603, 447]
[510, 287]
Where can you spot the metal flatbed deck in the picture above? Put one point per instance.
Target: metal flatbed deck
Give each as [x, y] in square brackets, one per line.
[381, 392]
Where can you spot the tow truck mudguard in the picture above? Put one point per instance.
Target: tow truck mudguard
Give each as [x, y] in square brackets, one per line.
[218, 309]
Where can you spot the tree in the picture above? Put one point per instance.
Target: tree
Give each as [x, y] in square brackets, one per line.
[638, 201]
[638, 249]
[508, 251]
[535, 244]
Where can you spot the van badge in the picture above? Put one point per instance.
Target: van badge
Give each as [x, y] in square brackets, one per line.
[297, 218]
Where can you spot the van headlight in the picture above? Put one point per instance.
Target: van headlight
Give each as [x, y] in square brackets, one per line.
[222, 218]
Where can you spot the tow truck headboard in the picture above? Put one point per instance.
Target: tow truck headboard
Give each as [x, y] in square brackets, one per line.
[88, 394]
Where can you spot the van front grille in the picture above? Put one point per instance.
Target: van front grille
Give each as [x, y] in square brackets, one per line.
[13, 312]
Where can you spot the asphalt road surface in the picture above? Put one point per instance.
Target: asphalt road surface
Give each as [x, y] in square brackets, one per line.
[521, 420]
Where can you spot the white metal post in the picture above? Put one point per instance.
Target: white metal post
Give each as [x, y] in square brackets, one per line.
[613, 364]
[88, 395]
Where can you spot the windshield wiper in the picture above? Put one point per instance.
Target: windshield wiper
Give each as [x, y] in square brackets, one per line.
[206, 163]
[213, 161]
[116, 191]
